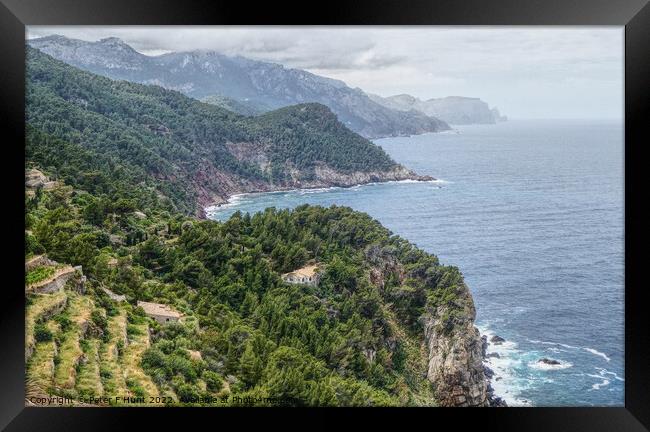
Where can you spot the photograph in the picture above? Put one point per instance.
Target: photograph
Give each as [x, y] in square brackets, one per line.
[320, 216]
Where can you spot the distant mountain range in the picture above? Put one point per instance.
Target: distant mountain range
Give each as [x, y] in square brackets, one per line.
[247, 86]
[451, 109]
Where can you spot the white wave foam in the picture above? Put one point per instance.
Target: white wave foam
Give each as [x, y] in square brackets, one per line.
[505, 383]
[545, 366]
[598, 353]
[439, 181]
[597, 386]
[588, 349]
[553, 343]
[314, 191]
[235, 200]
[603, 371]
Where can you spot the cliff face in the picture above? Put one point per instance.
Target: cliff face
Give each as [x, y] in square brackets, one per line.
[455, 356]
[459, 110]
[324, 176]
[451, 109]
[454, 348]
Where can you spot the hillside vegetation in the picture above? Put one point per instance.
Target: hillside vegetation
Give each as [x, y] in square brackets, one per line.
[184, 152]
[355, 339]
[238, 84]
[125, 166]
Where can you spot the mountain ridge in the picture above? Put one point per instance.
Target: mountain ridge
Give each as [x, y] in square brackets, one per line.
[194, 154]
[202, 74]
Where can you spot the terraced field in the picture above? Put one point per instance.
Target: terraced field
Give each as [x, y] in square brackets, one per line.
[89, 382]
[40, 368]
[40, 307]
[138, 382]
[65, 358]
[70, 352]
[111, 370]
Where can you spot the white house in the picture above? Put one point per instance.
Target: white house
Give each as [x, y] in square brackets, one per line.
[308, 275]
[160, 312]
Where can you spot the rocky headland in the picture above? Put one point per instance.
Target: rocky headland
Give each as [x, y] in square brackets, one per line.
[456, 353]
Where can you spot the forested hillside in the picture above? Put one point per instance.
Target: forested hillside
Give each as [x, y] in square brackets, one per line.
[189, 154]
[115, 172]
[357, 338]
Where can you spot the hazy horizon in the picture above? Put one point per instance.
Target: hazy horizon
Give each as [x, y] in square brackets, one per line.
[571, 73]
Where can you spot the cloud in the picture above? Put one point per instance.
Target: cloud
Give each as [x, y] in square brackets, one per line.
[350, 60]
[505, 66]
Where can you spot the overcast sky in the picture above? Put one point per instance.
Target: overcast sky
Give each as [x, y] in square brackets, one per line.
[527, 72]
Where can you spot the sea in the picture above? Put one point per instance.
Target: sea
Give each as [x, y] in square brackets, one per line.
[532, 213]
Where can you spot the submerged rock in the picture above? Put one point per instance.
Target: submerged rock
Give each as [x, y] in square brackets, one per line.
[548, 361]
[496, 401]
[497, 340]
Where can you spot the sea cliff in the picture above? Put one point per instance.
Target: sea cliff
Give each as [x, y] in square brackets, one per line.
[456, 352]
[455, 357]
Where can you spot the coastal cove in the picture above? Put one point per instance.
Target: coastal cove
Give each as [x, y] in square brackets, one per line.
[531, 213]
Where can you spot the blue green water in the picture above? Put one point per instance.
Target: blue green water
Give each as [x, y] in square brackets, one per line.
[532, 213]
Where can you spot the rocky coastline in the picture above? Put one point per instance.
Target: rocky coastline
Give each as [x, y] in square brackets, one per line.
[324, 177]
[493, 399]
[456, 355]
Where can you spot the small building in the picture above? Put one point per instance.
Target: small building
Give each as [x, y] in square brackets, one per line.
[160, 312]
[35, 179]
[308, 275]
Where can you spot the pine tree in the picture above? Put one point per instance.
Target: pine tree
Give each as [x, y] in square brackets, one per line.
[250, 366]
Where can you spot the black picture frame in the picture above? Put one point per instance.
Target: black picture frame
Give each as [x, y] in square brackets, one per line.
[633, 14]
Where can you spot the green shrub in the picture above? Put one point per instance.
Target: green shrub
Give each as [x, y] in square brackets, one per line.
[99, 319]
[64, 322]
[133, 330]
[105, 373]
[213, 381]
[153, 358]
[42, 333]
[39, 274]
[135, 388]
[187, 392]
[183, 366]
[101, 324]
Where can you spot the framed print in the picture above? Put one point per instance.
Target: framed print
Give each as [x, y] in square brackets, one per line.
[240, 209]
